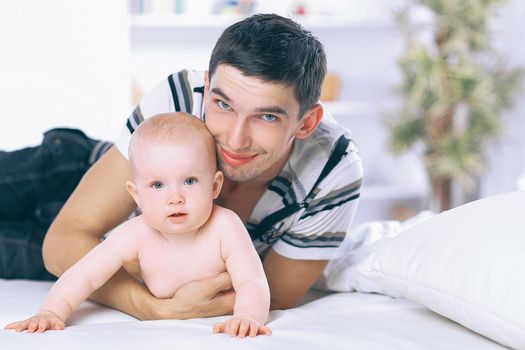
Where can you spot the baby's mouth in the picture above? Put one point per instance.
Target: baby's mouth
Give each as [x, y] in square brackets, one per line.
[177, 218]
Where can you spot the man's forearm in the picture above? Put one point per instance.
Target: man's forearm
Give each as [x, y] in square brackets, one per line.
[290, 279]
[61, 251]
[126, 294]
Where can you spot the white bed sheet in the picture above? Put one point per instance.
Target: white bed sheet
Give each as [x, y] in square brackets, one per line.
[335, 321]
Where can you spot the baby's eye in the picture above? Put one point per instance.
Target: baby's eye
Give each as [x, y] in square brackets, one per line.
[157, 185]
[190, 181]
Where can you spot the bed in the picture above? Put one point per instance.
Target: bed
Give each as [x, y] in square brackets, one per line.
[448, 281]
[348, 320]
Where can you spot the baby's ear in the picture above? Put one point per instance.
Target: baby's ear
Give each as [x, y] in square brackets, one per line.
[130, 186]
[218, 179]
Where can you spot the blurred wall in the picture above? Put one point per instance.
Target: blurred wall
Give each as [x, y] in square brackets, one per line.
[507, 155]
[63, 63]
[69, 63]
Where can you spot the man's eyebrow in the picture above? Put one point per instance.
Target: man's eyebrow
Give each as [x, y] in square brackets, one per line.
[272, 110]
[219, 92]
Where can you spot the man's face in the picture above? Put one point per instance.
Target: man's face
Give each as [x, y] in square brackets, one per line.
[254, 124]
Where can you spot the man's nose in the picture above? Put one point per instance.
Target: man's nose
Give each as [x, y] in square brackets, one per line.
[239, 135]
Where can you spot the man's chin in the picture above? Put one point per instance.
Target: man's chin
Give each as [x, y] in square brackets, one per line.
[237, 174]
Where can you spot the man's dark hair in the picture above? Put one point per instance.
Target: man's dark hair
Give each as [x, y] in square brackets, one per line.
[274, 49]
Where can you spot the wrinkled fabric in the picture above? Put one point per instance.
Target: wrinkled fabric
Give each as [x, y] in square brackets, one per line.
[339, 321]
[340, 275]
[35, 182]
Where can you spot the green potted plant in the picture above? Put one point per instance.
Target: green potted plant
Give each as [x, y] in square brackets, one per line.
[455, 86]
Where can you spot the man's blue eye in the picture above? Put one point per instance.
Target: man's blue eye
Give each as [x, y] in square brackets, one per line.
[269, 117]
[223, 105]
[190, 181]
[157, 185]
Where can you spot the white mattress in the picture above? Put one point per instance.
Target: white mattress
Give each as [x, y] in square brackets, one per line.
[336, 321]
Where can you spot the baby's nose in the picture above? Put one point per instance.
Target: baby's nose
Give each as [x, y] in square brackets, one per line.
[176, 198]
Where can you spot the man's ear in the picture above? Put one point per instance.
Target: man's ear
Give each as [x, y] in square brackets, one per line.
[206, 85]
[310, 121]
[130, 186]
[218, 180]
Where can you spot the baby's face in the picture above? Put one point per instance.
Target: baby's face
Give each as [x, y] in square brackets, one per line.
[176, 185]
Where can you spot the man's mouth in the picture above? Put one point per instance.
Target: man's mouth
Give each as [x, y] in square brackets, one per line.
[234, 159]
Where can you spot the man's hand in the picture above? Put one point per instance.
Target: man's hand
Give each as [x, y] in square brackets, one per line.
[38, 323]
[205, 298]
[133, 268]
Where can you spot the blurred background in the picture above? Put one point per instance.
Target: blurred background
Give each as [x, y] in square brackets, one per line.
[86, 63]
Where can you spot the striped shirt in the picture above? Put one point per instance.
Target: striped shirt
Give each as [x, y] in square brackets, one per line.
[316, 230]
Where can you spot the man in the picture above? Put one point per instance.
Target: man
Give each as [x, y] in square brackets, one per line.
[291, 175]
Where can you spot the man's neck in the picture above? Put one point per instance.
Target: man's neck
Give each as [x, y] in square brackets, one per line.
[230, 186]
[241, 197]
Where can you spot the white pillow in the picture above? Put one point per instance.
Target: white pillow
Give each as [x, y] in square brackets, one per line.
[467, 264]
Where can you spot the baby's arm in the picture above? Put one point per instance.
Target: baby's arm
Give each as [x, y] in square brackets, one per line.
[82, 279]
[252, 302]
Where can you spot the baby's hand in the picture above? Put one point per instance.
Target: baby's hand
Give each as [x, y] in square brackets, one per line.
[38, 323]
[241, 327]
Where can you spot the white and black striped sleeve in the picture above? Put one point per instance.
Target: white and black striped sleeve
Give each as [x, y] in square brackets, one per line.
[157, 100]
[318, 231]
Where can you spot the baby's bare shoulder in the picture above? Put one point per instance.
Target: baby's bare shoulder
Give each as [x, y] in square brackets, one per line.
[133, 229]
[224, 215]
[225, 220]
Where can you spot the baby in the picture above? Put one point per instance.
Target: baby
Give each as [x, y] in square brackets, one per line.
[181, 236]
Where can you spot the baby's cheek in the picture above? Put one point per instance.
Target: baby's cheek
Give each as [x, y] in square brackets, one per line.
[204, 211]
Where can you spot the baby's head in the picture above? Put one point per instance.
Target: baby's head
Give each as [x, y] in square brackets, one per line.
[170, 129]
[174, 172]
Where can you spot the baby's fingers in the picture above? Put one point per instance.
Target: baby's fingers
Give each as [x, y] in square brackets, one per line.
[254, 328]
[22, 326]
[36, 324]
[18, 326]
[42, 325]
[12, 325]
[218, 327]
[234, 327]
[54, 323]
[33, 325]
[265, 330]
[244, 328]
[58, 325]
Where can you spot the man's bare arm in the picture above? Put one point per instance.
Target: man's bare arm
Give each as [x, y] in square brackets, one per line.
[99, 203]
[290, 279]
